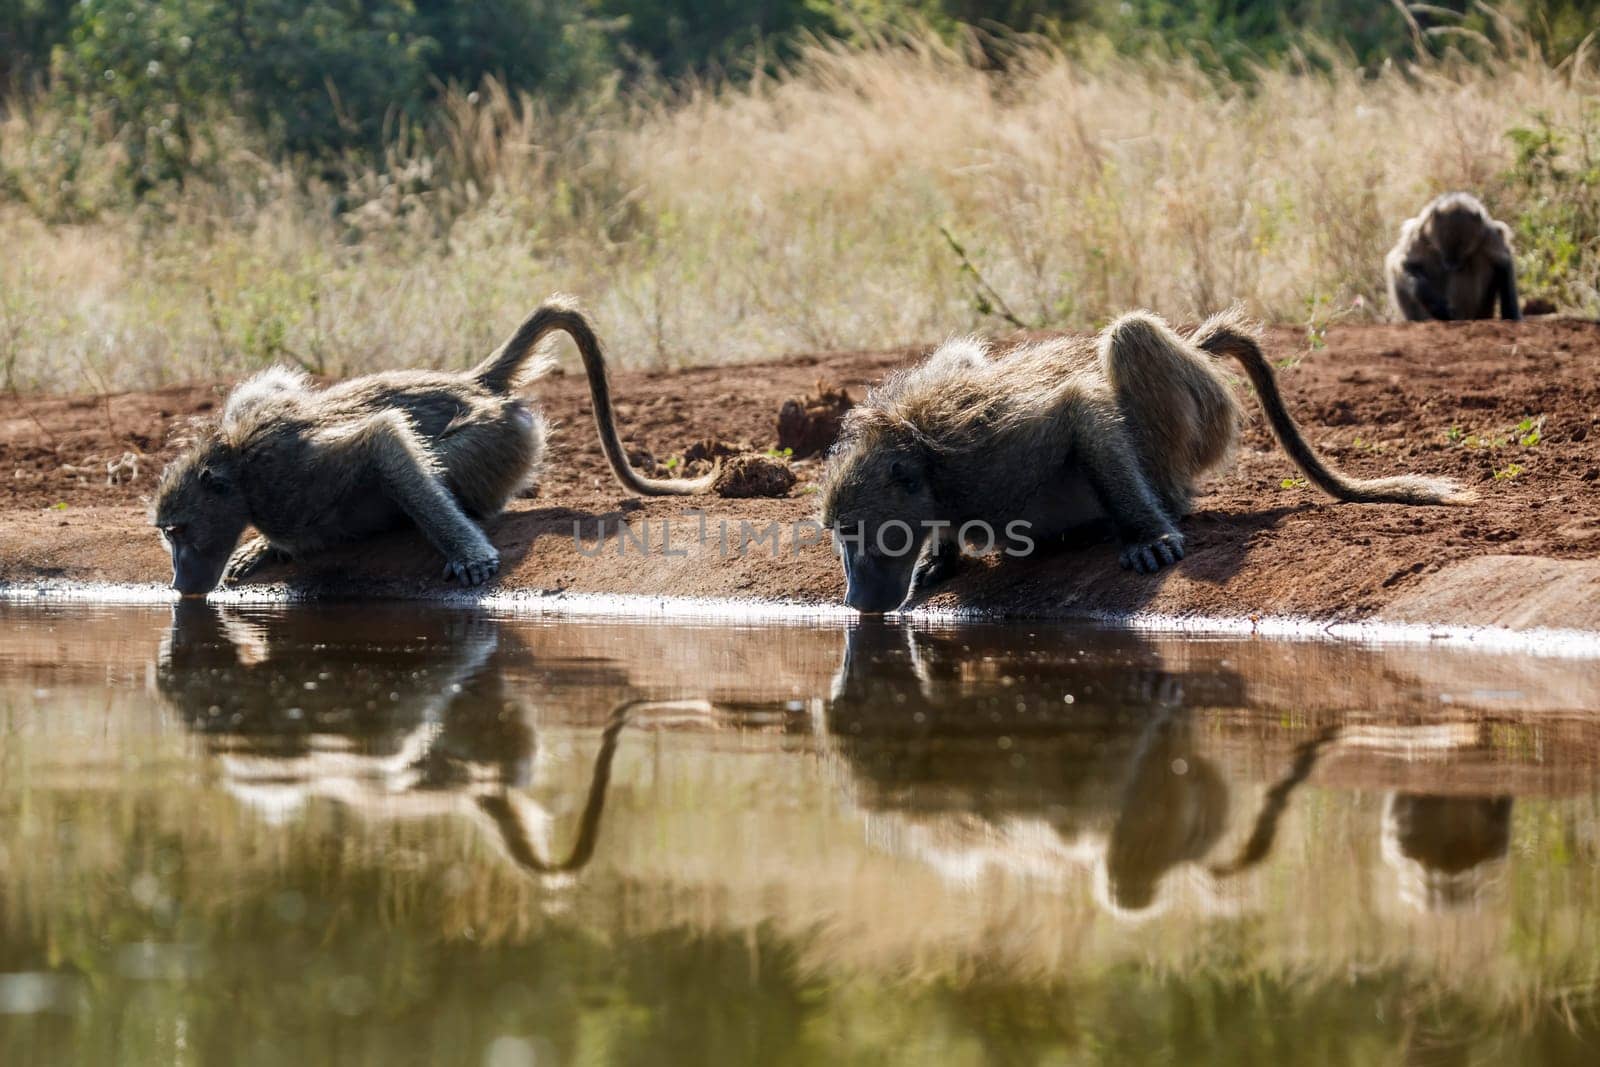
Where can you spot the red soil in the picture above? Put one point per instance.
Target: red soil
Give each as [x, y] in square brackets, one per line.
[1444, 398]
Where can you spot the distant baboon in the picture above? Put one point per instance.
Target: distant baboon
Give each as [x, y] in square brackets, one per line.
[311, 468]
[1453, 261]
[965, 449]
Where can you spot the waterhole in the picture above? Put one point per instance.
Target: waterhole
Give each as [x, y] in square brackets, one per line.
[395, 834]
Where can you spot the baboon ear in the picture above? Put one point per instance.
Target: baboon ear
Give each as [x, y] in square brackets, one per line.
[215, 481]
[905, 475]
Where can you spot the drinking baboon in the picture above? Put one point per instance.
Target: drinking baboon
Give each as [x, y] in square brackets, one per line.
[311, 468]
[1453, 261]
[1057, 435]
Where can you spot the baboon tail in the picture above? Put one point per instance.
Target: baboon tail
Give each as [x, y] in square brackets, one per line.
[1229, 333]
[509, 365]
[522, 358]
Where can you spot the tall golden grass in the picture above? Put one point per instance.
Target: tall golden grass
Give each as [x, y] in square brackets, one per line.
[816, 210]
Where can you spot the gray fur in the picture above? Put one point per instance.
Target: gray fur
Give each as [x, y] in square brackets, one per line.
[1060, 434]
[312, 468]
[1453, 261]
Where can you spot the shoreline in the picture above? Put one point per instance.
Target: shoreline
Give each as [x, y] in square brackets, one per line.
[1544, 642]
[1264, 552]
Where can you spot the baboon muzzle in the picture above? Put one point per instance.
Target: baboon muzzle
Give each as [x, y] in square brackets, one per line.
[871, 587]
[192, 573]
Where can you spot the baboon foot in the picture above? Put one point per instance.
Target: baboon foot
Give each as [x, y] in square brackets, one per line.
[1147, 557]
[470, 572]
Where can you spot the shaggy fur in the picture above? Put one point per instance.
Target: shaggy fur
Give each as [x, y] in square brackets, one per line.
[1453, 261]
[1058, 434]
[312, 468]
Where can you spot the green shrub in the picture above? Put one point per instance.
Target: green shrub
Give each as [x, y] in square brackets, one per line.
[1555, 178]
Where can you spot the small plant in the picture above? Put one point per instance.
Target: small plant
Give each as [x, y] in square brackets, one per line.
[1293, 483]
[784, 454]
[1321, 314]
[986, 300]
[674, 463]
[1509, 472]
[1527, 433]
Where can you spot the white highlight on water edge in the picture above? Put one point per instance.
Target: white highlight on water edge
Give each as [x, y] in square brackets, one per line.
[1373, 633]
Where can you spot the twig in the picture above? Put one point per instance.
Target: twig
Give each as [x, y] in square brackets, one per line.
[990, 302]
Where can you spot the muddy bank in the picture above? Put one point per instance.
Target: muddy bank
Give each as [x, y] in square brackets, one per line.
[1511, 409]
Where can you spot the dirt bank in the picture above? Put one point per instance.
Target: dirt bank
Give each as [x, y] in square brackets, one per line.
[1511, 409]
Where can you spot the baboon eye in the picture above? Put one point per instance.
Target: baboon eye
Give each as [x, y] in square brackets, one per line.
[174, 531]
[904, 477]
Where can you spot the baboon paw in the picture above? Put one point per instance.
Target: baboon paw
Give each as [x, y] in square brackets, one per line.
[1147, 557]
[470, 572]
[246, 560]
[932, 572]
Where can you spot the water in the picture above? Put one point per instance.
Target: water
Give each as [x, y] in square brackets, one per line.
[390, 834]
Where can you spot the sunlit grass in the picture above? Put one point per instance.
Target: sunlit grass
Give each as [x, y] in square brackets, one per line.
[723, 224]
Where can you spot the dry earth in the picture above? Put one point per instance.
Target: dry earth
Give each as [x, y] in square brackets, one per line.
[1463, 399]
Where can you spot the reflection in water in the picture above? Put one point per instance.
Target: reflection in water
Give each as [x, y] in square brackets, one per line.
[384, 833]
[1101, 752]
[387, 732]
[1174, 809]
[1445, 848]
[1114, 771]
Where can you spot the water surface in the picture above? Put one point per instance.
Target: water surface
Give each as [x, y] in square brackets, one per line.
[396, 834]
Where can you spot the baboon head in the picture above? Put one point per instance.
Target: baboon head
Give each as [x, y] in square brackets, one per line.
[878, 503]
[200, 513]
[1456, 227]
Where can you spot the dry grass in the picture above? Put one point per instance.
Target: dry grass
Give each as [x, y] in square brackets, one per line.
[794, 214]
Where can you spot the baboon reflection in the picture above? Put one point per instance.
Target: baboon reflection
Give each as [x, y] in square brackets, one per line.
[1084, 731]
[1445, 849]
[1174, 810]
[380, 719]
[953, 738]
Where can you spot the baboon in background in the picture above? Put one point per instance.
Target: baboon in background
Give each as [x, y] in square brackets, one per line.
[1058, 434]
[1453, 261]
[311, 468]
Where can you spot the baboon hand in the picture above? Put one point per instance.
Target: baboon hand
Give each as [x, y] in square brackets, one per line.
[247, 559]
[1147, 557]
[934, 570]
[470, 572]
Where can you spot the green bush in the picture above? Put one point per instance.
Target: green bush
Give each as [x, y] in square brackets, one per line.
[317, 76]
[1556, 180]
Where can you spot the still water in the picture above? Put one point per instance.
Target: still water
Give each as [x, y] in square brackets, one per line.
[390, 834]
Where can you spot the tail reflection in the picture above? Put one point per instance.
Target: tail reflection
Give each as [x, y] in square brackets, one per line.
[406, 715]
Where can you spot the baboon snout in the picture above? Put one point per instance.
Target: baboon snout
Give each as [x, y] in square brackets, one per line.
[874, 586]
[192, 573]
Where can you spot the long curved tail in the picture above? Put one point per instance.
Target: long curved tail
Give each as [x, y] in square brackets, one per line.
[1231, 334]
[519, 360]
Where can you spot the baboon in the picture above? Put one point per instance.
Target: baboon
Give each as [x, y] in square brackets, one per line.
[1445, 847]
[1453, 261]
[311, 468]
[1055, 436]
